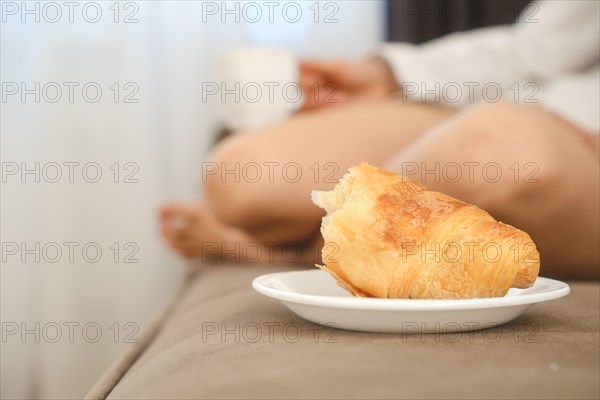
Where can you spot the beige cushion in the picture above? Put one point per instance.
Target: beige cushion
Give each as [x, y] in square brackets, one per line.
[550, 352]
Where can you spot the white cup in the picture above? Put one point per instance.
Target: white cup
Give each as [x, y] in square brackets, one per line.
[257, 86]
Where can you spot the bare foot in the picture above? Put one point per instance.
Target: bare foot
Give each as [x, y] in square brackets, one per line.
[195, 233]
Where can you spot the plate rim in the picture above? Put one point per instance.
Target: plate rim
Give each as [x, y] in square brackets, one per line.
[562, 289]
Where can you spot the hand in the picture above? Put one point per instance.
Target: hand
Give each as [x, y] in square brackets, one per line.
[332, 83]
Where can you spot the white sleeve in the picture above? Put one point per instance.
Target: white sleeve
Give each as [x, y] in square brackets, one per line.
[550, 38]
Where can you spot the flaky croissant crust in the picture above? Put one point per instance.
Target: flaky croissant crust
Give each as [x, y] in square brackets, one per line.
[389, 237]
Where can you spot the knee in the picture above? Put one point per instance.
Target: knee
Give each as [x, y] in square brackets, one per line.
[504, 157]
[226, 189]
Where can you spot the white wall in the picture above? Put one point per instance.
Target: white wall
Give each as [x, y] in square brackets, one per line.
[167, 54]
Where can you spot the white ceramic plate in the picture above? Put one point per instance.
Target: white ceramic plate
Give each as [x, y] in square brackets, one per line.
[315, 296]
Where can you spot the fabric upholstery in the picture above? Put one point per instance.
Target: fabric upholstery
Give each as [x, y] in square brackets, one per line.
[208, 346]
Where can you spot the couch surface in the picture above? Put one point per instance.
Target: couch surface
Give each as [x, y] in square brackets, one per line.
[221, 339]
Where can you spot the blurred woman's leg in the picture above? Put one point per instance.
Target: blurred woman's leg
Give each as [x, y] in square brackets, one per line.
[258, 183]
[261, 181]
[527, 167]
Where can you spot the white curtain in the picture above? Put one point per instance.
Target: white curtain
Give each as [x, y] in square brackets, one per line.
[160, 141]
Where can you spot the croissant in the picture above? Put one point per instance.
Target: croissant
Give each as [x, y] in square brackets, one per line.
[388, 237]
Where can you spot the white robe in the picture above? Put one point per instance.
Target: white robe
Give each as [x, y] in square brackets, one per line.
[550, 55]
